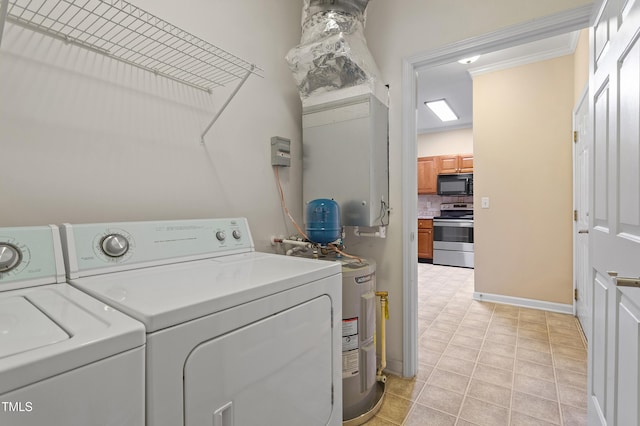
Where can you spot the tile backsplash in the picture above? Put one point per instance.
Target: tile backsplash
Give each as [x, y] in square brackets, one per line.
[429, 205]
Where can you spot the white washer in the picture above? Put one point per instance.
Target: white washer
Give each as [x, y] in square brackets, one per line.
[234, 336]
[65, 358]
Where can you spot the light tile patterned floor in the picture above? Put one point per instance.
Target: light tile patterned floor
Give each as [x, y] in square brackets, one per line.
[487, 364]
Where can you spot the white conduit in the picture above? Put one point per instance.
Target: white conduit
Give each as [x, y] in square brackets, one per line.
[295, 250]
[305, 244]
[381, 233]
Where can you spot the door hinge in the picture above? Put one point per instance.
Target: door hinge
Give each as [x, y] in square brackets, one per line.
[575, 294]
[575, 215]
[575, 136]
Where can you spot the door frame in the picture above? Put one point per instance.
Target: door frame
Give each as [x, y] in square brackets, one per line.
[560, 23]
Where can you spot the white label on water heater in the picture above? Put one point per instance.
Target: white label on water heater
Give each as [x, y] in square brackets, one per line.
[349, 327]
[349, 334]
[349, 343]
[350, 363]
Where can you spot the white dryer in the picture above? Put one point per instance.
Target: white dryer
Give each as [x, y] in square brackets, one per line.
[65, 358]
[234, 336]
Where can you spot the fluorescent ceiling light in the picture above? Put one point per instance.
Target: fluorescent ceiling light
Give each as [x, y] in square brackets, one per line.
[442, 109]
[467, 61]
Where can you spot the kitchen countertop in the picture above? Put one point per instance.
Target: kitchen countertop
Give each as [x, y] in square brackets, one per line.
[425, 217]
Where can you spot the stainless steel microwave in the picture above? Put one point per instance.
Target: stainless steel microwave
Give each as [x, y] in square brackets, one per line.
[458, 184]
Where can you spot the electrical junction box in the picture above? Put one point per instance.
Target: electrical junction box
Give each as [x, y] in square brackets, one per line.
[345, 147]
[280, 151]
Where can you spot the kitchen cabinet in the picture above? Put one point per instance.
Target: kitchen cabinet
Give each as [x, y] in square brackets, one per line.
[461, 163]
[448, 163]
[425, 239]
[427, 175]
[466, 163]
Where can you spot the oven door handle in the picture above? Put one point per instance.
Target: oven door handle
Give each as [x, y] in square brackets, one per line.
[454, 223]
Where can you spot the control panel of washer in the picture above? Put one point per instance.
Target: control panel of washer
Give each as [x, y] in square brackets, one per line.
[125, 245]
[30, 255]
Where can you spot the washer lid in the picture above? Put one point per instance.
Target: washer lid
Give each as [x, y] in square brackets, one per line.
[24, 327]
[168, 295]
[53, 329]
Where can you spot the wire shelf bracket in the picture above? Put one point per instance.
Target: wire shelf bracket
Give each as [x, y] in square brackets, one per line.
[224, 106]
[4, 6]
[124, 32]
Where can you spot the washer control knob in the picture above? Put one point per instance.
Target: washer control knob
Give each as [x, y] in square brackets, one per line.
[115, 245]
[237, 234]
[220, 235]
[10, 257]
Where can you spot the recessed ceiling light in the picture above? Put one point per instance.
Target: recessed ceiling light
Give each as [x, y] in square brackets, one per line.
[467, 61]
[442, 109]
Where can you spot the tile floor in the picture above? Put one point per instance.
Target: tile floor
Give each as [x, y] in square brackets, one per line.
[487, 364]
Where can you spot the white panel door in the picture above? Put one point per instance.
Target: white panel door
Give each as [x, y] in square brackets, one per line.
[614, 385]
[582, 268]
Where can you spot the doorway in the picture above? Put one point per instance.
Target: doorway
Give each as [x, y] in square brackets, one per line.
[532, 31]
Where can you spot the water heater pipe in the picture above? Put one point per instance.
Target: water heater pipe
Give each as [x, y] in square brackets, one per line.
[381, 233]
[304, 244]
[384, 316]
[295, 250]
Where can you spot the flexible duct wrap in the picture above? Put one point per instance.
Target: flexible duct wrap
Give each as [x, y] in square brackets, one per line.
[333, 52]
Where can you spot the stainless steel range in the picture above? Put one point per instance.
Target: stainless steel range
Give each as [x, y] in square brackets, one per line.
[453, 235]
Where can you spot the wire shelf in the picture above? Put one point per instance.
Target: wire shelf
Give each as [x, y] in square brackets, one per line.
[125, 32]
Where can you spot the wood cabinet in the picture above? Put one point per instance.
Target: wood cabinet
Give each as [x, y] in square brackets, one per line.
[427, 175]
[425, 239]
[448, 164]
[462, 163]
[466, 163]
[430, 167]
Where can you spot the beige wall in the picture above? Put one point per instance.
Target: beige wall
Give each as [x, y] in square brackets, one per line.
[443, 143]
[581, 65]
[522, 127]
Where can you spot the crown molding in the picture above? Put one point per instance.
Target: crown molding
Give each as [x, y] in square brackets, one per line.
[569, 49]
[537, 29]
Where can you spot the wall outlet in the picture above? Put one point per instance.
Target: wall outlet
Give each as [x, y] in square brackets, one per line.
[485, 202]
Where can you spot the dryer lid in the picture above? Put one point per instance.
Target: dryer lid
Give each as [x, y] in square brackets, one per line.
[168, 295]
[24, 327]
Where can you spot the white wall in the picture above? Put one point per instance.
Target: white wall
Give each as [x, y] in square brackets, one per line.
[87, 139]
[445, 143]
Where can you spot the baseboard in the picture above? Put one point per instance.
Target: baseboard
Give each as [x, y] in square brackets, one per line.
[525, 303]
[393, 367]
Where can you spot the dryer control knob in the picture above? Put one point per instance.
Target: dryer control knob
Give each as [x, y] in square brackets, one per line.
[220, 235]
[10, 257]
[237, 234]
[115, 245]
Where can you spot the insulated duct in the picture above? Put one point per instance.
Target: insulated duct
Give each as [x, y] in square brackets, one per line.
[333, 52]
